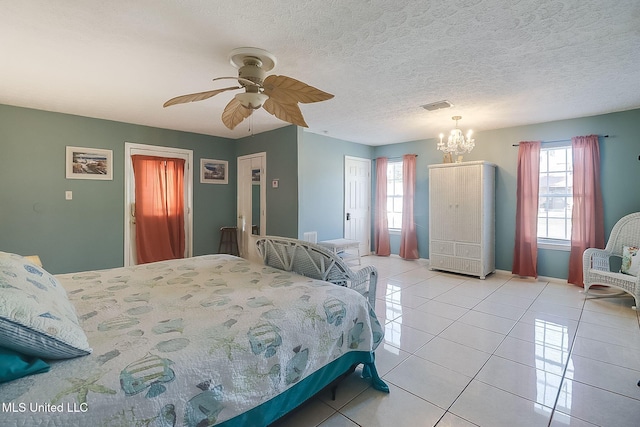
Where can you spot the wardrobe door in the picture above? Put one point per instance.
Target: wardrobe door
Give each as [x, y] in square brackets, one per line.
[468, 204]
[442, 203]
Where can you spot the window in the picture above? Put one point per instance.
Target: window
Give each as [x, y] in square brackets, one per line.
[556, 195]
[394, 195]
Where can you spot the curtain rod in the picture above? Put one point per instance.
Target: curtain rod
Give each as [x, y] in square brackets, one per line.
[395, 158]
[561, 140]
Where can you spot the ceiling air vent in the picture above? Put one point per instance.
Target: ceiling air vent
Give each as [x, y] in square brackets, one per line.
[437, 105]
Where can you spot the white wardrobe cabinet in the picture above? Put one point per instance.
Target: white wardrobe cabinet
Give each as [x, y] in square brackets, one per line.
[462, 217]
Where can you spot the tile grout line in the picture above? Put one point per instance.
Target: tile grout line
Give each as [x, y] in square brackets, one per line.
[492, 354]
[447, 410]
[566, 366]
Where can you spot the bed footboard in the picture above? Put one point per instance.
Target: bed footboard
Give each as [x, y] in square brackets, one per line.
[316, 262]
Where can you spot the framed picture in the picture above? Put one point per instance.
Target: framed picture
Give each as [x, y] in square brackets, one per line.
[89, 163]
[214, 171]
[255, 176]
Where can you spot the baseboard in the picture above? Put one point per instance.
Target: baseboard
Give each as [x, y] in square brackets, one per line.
[539, 279]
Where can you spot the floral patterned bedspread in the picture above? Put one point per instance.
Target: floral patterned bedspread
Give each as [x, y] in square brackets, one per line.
[190, 342]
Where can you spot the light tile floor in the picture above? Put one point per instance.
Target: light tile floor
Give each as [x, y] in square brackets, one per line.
[505, 351]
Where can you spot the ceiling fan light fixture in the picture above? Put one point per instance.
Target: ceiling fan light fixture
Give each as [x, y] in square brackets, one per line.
[251, 100]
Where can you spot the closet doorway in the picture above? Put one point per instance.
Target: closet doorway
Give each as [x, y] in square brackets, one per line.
[132, 149]
[252, 202]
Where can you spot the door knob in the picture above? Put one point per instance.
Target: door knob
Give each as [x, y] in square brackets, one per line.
[348, 216]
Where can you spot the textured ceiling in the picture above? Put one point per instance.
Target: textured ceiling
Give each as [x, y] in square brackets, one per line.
[501, 63]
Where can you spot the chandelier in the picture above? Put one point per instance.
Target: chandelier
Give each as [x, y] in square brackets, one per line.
[457, 143]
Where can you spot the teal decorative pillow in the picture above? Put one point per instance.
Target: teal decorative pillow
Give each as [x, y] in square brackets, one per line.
[630, 260]
[36, 317]
[14, 365]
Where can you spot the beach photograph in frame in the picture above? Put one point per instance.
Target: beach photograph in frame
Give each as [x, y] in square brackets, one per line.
[255, 176]
[89, 163]
[214, 171]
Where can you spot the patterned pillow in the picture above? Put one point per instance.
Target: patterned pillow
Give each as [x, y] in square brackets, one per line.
[36, 318]
[630, 260]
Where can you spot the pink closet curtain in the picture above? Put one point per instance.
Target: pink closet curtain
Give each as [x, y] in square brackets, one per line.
[381, 243]
[408, 235]
[159, 208]
[587, 218]
[525, 253]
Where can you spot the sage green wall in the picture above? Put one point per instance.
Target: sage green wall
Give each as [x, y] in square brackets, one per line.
[321, 180]
[620, 168]
[88, 231]
[281, 146]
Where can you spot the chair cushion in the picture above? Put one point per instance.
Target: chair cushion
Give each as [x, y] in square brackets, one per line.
[630, 260]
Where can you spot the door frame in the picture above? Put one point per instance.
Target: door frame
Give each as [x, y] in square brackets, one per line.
[367, 232]
[131, 148]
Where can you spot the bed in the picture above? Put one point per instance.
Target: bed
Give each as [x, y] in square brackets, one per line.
[209, 340]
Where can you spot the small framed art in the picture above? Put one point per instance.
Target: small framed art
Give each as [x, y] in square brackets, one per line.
[89, 163]
[255, 176]
[214, 171]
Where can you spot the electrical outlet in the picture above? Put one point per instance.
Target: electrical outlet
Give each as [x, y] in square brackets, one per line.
[68, 195]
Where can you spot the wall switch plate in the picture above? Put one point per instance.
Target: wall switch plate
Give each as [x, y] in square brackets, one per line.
[68, 195]
[274, 183]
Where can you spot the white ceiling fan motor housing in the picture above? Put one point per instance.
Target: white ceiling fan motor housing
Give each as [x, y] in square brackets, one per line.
[252, 70]
[252, 64]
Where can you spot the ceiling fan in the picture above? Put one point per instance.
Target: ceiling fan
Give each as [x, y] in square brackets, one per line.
[279, 95]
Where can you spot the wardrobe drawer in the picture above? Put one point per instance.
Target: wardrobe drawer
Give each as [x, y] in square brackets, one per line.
[442, 248]
[458, 265]
[467, 266]
[442, 262]
[468, 251]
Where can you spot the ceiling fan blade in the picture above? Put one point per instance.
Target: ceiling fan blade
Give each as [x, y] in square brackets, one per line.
[239, 79]
[234, 113]
[287, 112]
[197, 96]
[288, 90]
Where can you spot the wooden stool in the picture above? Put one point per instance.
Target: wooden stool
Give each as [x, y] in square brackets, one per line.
[228, 241]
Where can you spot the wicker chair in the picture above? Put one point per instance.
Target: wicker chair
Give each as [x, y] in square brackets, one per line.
[596, 262]
[316, 262]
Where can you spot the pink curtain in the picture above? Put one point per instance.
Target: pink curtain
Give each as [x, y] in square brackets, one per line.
[381, 243]
[587, 218]
[159, 210]
[408, 235]
[525, 253]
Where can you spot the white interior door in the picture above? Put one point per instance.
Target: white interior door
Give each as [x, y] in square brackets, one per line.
[357, 201]
[252, 202]
[130, 195]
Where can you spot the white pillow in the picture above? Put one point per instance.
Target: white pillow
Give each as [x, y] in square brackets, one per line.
[630, 260]
[36, 317]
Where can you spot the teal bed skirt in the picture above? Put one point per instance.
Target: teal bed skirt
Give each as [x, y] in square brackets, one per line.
[284, 403]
